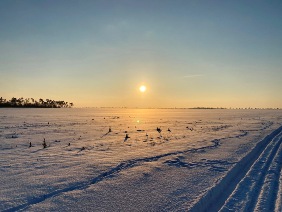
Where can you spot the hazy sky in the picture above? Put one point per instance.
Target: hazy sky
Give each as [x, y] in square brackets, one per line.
[188, 53]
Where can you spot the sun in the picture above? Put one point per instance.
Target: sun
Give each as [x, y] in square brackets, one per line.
[142, 88]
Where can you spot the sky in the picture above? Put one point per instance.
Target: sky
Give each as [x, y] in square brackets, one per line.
[187, 53]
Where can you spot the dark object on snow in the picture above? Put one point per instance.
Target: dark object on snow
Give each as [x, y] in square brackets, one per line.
[44, 144]
[159, 130]
[126, 137]
[191, 129]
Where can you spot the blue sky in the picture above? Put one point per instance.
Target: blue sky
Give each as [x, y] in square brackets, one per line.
[187, 53]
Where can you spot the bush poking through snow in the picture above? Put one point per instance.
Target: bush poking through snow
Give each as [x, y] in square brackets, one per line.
[44, 144]
[126, 137]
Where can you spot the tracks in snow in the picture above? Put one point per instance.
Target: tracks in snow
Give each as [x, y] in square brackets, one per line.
[115, 170]
[254, 183]
[259, 187]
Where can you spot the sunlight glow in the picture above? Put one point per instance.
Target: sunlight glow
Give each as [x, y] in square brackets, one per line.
[142, 88]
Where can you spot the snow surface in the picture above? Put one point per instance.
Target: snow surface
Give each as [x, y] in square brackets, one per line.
[208, 160]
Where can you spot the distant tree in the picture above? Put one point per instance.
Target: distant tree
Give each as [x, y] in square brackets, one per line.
[2, 101]
[20, 101]
[27, 102]
[13, 101]
[41, 102]
[31, 102]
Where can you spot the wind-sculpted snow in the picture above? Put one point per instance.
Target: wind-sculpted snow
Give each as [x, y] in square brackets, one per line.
[216, 165]
[122, 166]
[99, 159]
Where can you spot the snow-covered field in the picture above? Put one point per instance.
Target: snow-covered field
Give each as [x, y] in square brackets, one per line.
[201, 160]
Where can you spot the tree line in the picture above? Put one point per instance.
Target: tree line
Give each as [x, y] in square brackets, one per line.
[33, 103]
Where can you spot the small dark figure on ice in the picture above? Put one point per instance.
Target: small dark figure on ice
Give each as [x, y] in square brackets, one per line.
[44, 144]
[126, 137]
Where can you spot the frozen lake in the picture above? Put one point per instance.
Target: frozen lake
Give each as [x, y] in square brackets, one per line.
[89, 163]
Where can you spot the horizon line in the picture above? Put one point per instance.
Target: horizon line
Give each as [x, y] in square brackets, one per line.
[197, 108]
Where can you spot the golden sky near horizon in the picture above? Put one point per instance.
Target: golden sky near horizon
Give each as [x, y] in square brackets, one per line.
[186, 53]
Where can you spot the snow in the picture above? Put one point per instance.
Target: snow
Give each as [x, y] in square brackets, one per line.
[86, 167]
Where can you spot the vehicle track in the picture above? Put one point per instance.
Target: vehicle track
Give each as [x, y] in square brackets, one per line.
[252, 184]
[259, 187]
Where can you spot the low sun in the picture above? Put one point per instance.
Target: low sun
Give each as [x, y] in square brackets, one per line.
[142, 88]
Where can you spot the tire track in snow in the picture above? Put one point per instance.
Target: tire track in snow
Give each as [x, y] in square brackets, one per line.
[244, 186]
[115, 170]
[278, 205]
[268, 198]
[251, 190]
